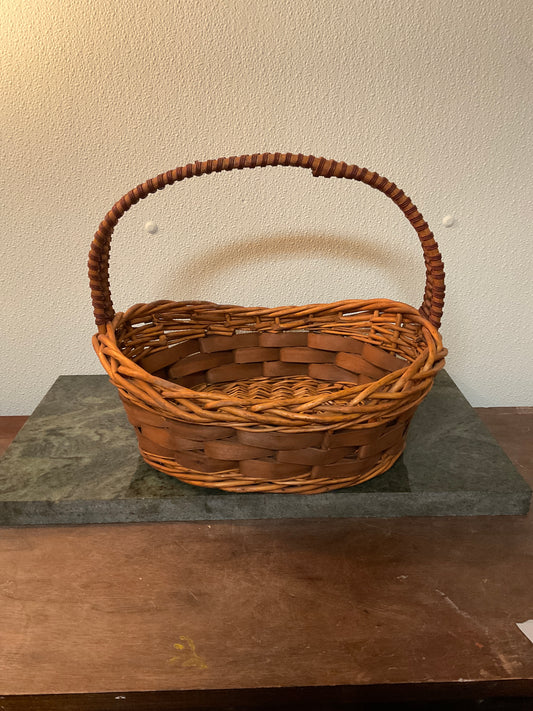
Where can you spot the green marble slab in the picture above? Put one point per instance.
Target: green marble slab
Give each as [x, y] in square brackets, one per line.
[76, 461]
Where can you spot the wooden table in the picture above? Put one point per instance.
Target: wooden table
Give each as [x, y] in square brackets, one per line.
[271, 614]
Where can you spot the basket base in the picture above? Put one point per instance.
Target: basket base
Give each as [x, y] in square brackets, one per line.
[232, 480]
[299, 459]
[272, 388]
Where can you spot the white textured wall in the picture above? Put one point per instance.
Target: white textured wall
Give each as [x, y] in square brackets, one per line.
[98, 96]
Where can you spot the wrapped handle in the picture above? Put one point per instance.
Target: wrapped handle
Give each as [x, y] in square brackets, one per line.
[99, 254]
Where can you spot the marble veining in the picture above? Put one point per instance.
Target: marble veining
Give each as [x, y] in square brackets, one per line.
[76, 461]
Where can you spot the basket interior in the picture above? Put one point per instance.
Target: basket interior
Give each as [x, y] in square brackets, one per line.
[264, 356]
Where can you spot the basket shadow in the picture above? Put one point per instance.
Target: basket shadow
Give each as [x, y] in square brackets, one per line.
[202, 271]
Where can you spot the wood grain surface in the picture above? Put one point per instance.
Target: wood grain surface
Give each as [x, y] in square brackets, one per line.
[9, 426]
[234, 609]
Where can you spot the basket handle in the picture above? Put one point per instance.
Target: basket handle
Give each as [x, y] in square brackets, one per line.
[99, 253]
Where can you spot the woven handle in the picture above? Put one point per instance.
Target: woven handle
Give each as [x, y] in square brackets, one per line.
[99, 254]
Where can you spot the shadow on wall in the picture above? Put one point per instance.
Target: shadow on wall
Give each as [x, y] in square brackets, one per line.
[202, 271]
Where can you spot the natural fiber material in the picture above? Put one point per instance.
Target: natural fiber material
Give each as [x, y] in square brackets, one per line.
[300, 399]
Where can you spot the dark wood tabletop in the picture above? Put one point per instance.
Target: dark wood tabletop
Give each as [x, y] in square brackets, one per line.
[271, 614]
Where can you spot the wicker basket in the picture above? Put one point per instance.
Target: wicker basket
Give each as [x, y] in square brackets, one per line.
[301, 399]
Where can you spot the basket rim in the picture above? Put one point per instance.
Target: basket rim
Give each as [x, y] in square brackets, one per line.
[212, 407]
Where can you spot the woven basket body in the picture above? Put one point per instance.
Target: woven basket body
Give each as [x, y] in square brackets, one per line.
[301, 399]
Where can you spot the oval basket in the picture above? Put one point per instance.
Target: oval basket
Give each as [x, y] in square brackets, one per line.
[301, 399]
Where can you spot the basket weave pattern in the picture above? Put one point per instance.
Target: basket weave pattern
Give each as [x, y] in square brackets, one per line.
[300, 399]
